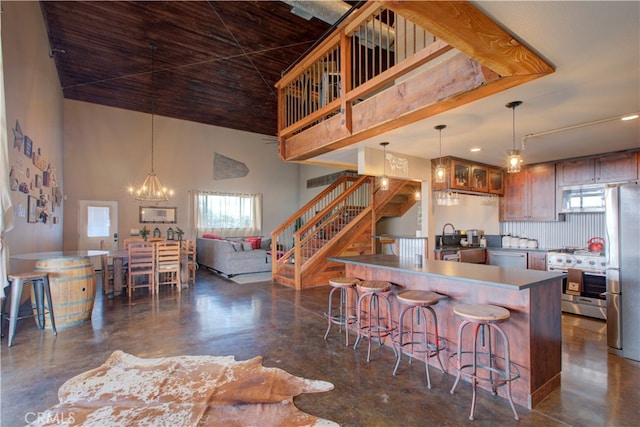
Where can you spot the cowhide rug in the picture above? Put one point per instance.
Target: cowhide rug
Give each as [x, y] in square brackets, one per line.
[183, 391]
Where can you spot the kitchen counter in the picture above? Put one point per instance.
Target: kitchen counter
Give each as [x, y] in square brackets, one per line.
[493, 248]
[532, 297]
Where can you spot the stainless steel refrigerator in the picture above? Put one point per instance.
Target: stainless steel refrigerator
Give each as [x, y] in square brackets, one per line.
[622, 212]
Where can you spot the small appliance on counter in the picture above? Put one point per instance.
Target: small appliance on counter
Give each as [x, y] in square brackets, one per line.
[473, 237]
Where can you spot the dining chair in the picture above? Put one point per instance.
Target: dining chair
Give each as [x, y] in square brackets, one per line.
[142, 267]
[106, 270]
[167, 264]
[188, 251]
[130, 240]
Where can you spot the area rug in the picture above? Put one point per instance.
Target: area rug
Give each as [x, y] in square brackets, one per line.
[183, 391]
[243, 279]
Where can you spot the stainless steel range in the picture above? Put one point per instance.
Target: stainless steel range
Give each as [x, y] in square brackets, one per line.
[583, 291]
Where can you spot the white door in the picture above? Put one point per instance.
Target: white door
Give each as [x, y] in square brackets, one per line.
[97, 221]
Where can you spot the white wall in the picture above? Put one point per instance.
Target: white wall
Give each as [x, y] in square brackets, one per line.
[34, 99]
[107, 149]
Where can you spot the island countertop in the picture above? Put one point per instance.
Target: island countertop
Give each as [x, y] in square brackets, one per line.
[489, 275]
[532, 297]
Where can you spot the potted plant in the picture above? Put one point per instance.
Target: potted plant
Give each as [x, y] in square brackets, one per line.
[144, 233]
[179, 232]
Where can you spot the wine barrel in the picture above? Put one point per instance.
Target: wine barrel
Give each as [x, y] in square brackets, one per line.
[73, 289]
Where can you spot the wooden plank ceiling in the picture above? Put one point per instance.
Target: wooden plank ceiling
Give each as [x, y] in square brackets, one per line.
[216, 61]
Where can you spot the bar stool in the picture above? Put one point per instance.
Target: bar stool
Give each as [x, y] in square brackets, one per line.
[345, 313]
[417, 342]
[484, 316]
[378, 325]
[40, 283]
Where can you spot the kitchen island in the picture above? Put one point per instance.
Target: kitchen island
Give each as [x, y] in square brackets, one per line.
[533, 298]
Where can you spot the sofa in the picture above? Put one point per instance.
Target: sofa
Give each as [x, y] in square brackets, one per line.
[233, 256]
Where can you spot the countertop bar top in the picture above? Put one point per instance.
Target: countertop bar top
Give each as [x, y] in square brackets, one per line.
[491, 248]
[396, 236]
[489, 275]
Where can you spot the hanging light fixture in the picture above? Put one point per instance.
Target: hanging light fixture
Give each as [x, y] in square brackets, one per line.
[151, 189]
[440, 171]
[513, 156]
[384, 181]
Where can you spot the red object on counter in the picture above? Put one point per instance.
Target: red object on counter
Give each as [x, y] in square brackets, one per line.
[596, 244]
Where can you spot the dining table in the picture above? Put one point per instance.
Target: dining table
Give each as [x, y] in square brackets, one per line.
[119, 259]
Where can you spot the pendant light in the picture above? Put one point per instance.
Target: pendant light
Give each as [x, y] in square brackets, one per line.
[151, 190]
[441, 174]
[513, 156]
[384, 181]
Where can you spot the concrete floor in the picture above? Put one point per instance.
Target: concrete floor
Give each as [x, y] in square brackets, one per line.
[218, 317]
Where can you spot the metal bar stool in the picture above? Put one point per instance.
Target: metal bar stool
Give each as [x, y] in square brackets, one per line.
[484, 366]
[417, 342]
[370, 325]
[40, 283]
[345, 313]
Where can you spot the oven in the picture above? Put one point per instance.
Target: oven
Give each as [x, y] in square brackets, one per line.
[588, 297]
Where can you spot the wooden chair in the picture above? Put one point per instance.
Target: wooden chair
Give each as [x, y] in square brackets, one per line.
[168, 264]
[106, 270]
[188, 250]
[142, 264]
[130, 240]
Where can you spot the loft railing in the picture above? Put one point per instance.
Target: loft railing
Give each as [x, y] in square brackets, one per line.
[351, 65]
[392, 63]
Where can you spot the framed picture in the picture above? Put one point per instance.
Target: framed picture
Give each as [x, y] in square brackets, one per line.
[155, 214]
[28, 146]
[32, 209]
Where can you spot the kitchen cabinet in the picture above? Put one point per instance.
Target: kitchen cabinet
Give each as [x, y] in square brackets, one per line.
[496, 182]
[537, 260]
[610, 168]
[530, 195]
[464, 175]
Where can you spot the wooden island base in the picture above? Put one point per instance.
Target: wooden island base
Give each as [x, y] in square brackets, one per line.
[533, 298]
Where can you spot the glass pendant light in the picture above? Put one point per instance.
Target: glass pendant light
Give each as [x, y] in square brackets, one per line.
[513, 156]
[440, 171]
[384, 181]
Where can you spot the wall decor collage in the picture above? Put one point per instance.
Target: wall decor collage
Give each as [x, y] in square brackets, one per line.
[31, 174]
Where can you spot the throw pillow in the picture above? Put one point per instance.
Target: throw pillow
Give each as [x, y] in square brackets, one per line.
[247, 246]
[255, 241]
[211, 236]
[237, 246]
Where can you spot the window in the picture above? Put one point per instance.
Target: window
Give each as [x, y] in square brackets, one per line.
[228, 214]
[98, 221]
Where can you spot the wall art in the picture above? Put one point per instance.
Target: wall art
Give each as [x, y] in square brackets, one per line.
[28, 146]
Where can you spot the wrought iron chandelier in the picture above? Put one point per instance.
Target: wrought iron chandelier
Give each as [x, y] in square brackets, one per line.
[151, 190]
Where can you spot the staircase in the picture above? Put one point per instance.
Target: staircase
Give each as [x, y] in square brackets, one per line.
[340, 221]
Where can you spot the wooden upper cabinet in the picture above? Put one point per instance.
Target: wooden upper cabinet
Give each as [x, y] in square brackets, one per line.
[610, 168]
[530, 195]
[496, 181]
[576, 172]
[479, 178]
[460, 175]
[619, 167]
[464, 175]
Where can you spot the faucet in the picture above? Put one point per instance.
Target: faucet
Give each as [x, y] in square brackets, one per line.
[442, 235]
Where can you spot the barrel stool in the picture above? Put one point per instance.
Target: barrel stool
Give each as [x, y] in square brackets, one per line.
[417, 342]
[372, 322]
[40, 283]
[345, 313]
[484, 365]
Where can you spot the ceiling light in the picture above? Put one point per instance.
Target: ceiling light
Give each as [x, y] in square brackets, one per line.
[513, 156]
[475, 149]
[384, 181]
[151, 189]
[417, 195]
[440, 171]
[631, 117]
